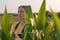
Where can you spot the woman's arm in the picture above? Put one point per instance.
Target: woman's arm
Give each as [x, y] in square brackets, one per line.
[13, 27]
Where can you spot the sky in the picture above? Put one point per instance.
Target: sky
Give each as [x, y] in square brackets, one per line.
[12, 5]
[54, 4]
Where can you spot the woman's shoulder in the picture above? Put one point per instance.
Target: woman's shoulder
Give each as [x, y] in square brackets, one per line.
[15, 23]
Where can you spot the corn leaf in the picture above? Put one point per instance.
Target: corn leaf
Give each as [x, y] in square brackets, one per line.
[41, 16]
[6, 26]
[28, 14]
[28, 11]
[57, 24]
[48, 30]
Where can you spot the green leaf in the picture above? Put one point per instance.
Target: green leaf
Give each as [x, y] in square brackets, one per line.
[28, 36]
[6, 26]
[41, 16]
[48, 30]
[28, 27]
[57, 24]
[28, 13]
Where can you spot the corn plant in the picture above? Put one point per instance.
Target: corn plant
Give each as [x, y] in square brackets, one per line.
[57, 24]
[41, 31]
[6, 26]
[40, 21]
[28, 13]
[36, 29]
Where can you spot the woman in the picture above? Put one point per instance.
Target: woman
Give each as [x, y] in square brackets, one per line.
[22, 26]
[18, 27]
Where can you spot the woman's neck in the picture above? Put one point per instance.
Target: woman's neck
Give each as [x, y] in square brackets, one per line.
[22, 23]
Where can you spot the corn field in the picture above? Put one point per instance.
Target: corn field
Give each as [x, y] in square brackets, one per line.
[43, 27]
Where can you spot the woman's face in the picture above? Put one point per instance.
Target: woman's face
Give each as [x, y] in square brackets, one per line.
[21, 13]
